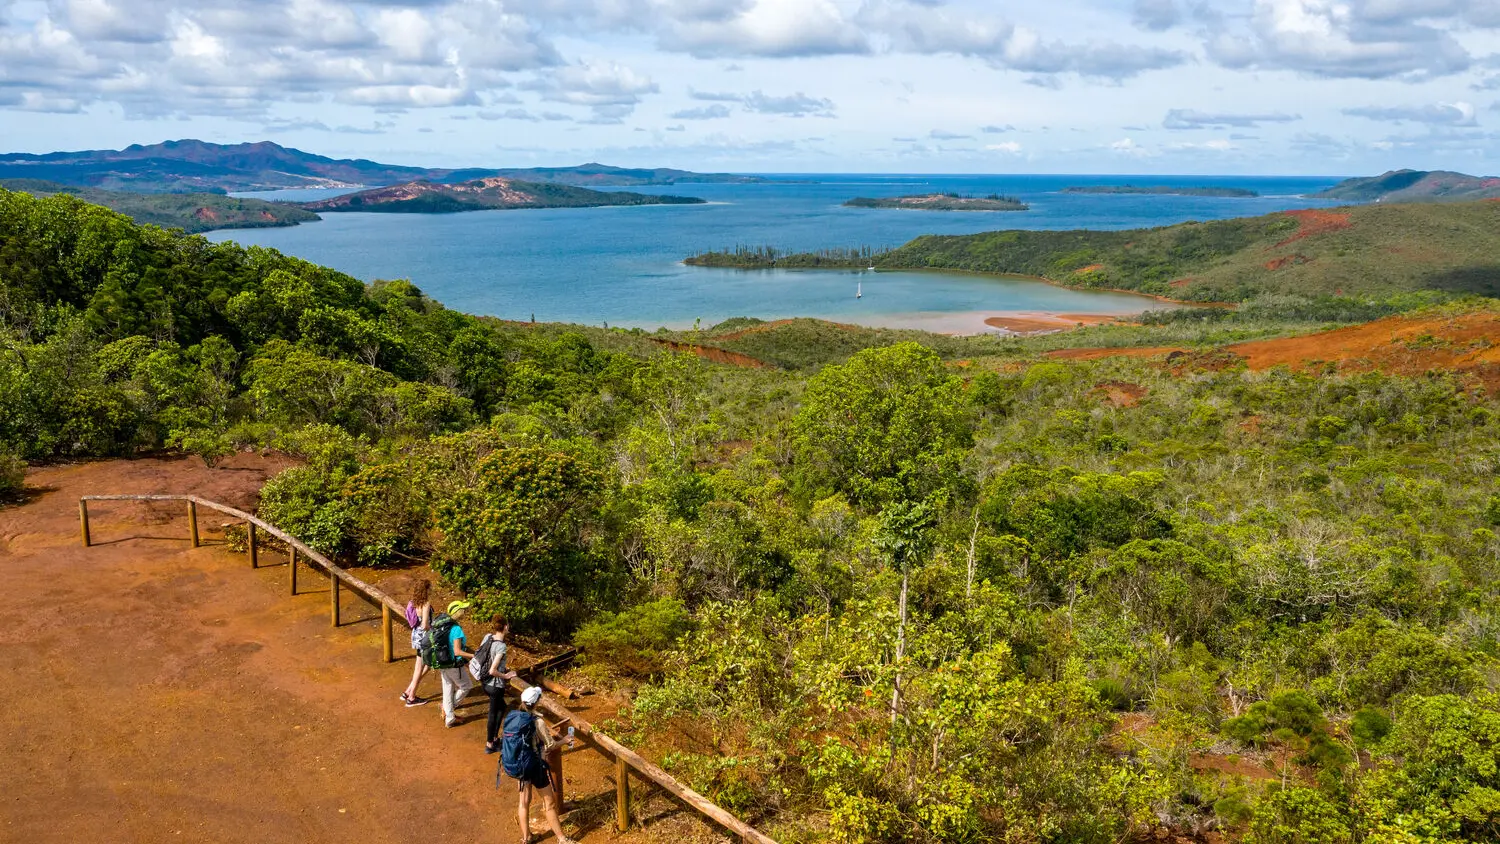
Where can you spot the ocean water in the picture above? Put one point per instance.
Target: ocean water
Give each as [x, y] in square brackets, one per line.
[623, 266]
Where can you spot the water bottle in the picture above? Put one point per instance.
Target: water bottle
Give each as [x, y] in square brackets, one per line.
[572, 731]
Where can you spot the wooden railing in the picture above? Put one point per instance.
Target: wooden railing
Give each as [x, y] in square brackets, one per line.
[624, 758]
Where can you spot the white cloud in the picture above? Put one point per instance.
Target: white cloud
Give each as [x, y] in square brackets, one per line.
[1444, 114]
[610, 89]
[1182, 118]
[1373, 39]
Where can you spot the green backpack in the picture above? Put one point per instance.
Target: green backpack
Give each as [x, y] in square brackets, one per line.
[437, 644]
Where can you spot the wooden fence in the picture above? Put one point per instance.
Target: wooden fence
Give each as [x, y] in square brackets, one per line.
[625, 759]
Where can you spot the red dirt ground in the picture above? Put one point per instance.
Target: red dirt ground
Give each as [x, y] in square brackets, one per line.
[158, 692]
[709, 353]
[1466, 343]
[1044, 323]
[1095, 354]
[1120, 393]
[1315, 222]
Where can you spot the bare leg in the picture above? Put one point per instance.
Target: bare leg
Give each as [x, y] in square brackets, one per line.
[524, 813]
[549, 801]
[417, 672]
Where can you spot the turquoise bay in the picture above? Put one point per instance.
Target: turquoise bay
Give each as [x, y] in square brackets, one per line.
[623, 266]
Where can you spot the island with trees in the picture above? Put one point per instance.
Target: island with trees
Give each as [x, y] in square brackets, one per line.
[940, 202]
[489, 193]
[1163, 190]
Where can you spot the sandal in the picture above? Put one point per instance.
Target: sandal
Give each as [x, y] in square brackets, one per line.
[490, 747]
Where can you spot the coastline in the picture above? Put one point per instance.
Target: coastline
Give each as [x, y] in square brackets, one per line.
[1185, 303]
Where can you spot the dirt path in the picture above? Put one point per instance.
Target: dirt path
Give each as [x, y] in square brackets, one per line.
[157, 692]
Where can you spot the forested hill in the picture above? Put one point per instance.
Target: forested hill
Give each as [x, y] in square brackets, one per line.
[1372, 250]
[924, 591]
[1414, 186]
[191, 212]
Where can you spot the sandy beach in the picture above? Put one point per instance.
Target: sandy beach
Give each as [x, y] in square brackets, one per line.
[987, 322]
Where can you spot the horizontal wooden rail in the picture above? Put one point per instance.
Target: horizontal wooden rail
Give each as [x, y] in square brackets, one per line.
[624, 757]
[360, 587]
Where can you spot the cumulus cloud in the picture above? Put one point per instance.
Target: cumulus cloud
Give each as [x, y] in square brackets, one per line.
[1183, 118]
[1436, 114]
[611, 90]
[940, 135]
[1369, 39]
[170, 57]
[997, 130]
[769, 28]
[1010, 147]
[1157, 15]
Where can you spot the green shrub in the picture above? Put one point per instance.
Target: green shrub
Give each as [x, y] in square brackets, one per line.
[12, 474]
[1297, 816]
[635, 640]
[1369, 726]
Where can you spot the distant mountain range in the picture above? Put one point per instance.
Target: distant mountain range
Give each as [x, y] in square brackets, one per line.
[489, 193]
[1414, 186]
[197, 166]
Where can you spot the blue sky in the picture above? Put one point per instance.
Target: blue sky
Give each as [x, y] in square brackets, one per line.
[1069, 86]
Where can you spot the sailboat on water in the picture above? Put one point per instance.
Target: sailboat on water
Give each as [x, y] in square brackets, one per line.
[859, 290]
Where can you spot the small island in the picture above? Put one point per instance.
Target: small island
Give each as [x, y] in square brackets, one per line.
[490, 193]
[1164, 190]
[941, 202]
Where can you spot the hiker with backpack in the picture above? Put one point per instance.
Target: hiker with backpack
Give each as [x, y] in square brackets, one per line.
[488, 667]
[418, 618]
[527, 741]
[444, 649]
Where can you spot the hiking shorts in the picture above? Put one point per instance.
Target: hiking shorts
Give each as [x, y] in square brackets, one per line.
[538, 776]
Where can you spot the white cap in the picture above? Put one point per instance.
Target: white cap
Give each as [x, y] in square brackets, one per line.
[531, 695]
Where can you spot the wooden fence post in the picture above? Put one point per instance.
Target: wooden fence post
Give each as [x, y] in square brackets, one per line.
[254, 553]
[333, 593]
[83, 520]
[193, 521]
[622, 794]
[385, 623]
[292, 565]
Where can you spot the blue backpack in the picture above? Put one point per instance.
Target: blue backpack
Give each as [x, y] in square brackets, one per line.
[517, 755]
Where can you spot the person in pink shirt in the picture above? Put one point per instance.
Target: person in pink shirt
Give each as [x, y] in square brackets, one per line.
[419, 618]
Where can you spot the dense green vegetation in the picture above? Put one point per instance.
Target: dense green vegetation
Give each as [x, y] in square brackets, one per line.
[1373, 250]
[941, 202]
[191, 212]
[1163, 190]
[887, 599]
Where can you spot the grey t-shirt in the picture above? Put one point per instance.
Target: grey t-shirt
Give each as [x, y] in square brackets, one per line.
[499, 651]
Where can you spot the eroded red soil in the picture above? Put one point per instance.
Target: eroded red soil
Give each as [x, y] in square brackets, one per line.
[158, 692]
[1466, 343]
